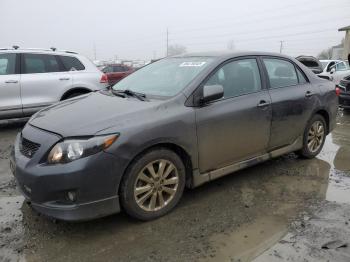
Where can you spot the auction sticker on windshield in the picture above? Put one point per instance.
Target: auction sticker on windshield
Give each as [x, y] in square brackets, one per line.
[197, 64]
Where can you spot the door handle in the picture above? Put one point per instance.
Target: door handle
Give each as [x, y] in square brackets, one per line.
[11, 81]
[263, 103]
[309, 94]
[64, 78]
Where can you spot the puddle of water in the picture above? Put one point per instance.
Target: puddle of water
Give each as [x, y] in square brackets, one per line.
[288, 191]
[250, 240]
[337, 148]
[331, 221]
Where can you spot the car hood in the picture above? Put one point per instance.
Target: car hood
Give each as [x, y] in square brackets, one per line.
[89, 114]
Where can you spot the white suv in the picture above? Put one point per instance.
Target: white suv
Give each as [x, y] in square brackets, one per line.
[335, 69]
[31, 79]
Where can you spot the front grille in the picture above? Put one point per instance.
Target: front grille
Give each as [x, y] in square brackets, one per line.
[28, 148]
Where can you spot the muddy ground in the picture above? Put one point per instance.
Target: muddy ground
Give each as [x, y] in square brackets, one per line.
[287, 209]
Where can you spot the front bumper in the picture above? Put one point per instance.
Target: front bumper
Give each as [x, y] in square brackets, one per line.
[94, 180]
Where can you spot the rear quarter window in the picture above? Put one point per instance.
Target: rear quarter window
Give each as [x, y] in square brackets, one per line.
[72, 63]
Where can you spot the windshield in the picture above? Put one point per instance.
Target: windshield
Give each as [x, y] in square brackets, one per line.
[166, 77]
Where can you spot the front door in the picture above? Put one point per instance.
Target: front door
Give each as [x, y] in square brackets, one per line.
[10, 89]
[236, 127]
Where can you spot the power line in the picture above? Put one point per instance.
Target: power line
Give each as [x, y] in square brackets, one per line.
[250, 20]
[266, 37]
[245, 32]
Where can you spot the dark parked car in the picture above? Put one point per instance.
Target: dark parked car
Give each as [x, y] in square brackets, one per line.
[344, 93]
[117, 72]
[181, 121]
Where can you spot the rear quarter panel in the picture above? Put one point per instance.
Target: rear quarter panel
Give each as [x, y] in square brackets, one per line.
[329, 100]
[88, 78]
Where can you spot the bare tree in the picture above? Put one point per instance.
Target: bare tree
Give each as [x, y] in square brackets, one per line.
[176, 50]
[326, 54]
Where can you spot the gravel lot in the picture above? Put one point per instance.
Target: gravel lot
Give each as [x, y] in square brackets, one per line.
[285, 209]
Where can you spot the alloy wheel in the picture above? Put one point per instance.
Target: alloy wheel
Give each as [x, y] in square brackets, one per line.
[156, 185]
[315, 136]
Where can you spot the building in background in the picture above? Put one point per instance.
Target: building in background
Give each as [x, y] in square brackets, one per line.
[346, 48]
[337, 52]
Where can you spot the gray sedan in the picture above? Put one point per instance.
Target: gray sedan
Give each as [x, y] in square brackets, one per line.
[181, 121]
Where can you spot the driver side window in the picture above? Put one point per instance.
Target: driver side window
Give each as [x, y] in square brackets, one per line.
[238, 77]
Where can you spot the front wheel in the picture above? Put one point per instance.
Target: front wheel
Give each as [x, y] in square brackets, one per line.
[153, 184]
[314, 137]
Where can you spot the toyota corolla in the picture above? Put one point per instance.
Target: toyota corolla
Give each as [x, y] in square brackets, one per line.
[181, 121]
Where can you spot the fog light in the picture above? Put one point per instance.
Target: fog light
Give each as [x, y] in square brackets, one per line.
[72, 196]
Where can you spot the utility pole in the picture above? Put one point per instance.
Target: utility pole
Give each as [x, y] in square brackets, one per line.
[167, 42]
[281, 46]
[94, 51]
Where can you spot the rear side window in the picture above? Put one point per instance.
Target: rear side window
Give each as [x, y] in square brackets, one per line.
[107, 69]
[118, 69]
[7, 64]
[39, 63]
[72, 63]
[238, 77]
[281, 72]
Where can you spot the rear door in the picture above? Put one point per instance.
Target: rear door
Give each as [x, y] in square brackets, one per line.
[293, 100]
[43, 81]
[10, 92]
[236, 127]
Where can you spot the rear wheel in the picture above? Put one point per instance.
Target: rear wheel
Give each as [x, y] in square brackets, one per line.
[153, 184]
[314, 137]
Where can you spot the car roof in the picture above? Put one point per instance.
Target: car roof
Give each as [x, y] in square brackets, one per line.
[330, 60]
[37, 50]
[230, 54]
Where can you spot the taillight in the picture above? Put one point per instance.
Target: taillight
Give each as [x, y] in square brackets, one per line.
[104, 79]
[337, 90]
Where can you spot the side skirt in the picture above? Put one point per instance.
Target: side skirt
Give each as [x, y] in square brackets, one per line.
[199, 179]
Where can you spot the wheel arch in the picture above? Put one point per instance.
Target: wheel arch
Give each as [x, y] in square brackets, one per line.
[179, 150]
[75, 90]
[324, 113]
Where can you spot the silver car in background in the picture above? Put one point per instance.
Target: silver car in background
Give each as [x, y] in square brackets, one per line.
[31, 79]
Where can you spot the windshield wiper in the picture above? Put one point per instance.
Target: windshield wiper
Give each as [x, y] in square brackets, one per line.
[128, 92]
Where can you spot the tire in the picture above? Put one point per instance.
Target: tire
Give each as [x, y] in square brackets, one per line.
[311, 149]
[141, 193]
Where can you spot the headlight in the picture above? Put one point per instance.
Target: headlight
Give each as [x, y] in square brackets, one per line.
[72, 149]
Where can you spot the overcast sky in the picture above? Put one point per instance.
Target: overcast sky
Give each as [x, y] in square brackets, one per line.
[137, 29]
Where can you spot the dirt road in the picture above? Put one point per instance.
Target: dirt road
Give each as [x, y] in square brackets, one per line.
[286, 208]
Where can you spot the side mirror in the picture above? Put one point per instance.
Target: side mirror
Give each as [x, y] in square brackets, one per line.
[211, 93]
[332, 70]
